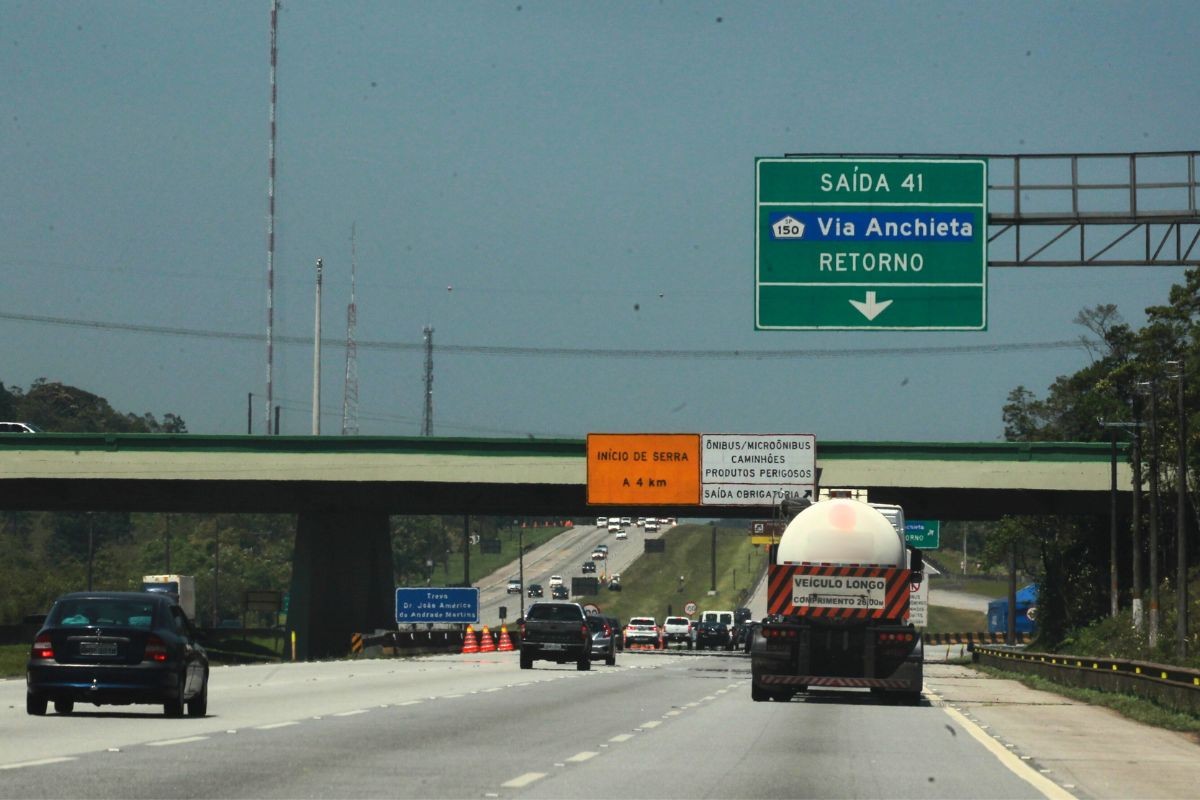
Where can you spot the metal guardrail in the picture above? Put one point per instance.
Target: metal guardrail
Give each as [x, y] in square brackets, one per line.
[972, 638]
[1171, 687]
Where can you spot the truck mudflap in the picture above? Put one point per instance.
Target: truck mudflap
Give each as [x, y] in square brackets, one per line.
[898, 684]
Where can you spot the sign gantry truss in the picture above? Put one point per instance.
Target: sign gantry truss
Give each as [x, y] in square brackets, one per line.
[1090, 209]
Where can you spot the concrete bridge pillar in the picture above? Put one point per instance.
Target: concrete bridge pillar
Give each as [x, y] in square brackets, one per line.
[342, 581]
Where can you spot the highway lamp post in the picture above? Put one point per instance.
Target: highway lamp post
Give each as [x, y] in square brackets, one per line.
[521, 566]
[1181, 572]
[167, 541]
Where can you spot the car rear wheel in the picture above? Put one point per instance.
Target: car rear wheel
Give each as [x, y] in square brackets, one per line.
[35, 703]
[611, 659]
[198, 705]
[64, 706]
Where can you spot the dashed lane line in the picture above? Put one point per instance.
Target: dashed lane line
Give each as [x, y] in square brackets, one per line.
[654, 723]
[621, 737]
[275, 725]
[169, 742]
[353, 713]
[579, 758]
[41, 762]
[523, 780]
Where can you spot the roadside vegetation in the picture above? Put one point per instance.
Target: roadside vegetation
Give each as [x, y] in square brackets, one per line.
[652, 586]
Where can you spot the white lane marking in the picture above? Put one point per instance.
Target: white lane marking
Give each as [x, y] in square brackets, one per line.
[275, 725]
[353, 713]
[654, 723]
[494, 689]
[410, 703]
[523, 780]
[691, 705]
[184, 740]
[40, 762]
[709, 697]
[449, 696]
[1016, 766]
[674, 713]
[722, 691]
[579, 758]
[621, 737]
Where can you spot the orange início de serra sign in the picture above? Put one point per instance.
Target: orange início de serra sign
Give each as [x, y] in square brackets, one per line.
[643, 469]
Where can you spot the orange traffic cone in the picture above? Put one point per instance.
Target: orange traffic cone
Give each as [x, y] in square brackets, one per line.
[506, 644]
[486, 643]
[469, 644]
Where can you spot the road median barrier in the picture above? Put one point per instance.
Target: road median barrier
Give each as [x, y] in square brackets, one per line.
[972, 638]
[1176, 688]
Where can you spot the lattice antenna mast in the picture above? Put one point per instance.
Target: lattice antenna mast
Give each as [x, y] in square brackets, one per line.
[350, 395]
[427, 416]
[271, 223]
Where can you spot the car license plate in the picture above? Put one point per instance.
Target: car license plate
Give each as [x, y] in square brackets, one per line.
[553, 647]
[97, 648]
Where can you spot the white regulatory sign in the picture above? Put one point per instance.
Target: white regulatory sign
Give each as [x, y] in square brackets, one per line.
[738, 469]
[918, 603]
[838, 591]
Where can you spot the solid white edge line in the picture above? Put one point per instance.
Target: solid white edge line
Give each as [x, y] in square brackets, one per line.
[1016, 766]
[184, 740]
[523, 780]
[356, 712]
[275, 725]
[39, 763]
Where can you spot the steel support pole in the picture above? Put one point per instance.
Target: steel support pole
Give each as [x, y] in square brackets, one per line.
[1153, 626]
[1181, 565]
[1112, 530]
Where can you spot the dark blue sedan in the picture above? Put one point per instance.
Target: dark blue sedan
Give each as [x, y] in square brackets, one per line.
[116, 648]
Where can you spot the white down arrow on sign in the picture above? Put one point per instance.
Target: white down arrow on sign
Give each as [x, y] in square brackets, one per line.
[870, 309]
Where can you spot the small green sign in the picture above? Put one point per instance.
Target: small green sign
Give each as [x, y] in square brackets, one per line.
[923, 534]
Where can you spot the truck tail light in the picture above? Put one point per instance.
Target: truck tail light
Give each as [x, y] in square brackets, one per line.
[780, 633]
[42, 647]
[888, 636]
[156, 649]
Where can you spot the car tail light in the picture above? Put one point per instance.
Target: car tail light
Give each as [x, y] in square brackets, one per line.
[156, 649]
[42, 648]
[585, 631]
[608, 630]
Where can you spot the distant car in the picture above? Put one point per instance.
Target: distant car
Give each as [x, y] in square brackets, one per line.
[589, 566]
[626, 521]
[618, 632]
[713, 635]
[601, 522]
[604, 640]
[535, 590]
[642, 630]
[19, 427]
[555, 580]
[514, 586]
[614, 585]
[678, 630]
[614, 526]
[651, 526]
[116, 648]
[640, 521]
[622, 536]
[559, 592]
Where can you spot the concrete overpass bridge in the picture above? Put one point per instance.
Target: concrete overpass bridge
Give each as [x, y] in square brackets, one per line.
[343, 489]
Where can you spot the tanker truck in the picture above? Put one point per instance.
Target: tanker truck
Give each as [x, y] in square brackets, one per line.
[837, 605]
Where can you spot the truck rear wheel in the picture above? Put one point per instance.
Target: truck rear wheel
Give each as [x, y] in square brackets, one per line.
[526, 660]
[758, 695]
[584, 663]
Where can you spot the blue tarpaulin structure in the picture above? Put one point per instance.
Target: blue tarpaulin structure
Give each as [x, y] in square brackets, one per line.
[998, 612]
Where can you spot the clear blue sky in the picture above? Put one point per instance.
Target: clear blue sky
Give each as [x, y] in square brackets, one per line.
[582, 175]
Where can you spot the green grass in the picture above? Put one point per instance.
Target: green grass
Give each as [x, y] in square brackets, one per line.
[12, 660]
[955, 620]
[483, 564]
[651, 586]
[1135, 708]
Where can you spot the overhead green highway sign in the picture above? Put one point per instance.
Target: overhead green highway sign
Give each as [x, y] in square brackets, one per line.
[870, 244]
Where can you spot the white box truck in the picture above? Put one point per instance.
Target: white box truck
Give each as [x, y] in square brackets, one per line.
[180, 587]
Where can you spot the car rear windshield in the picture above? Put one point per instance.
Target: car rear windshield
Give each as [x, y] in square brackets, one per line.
[119, 613]
[562, 613]
[641, 621]
[677, 620]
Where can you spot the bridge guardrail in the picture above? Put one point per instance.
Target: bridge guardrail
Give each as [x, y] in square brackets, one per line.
[1176, 688]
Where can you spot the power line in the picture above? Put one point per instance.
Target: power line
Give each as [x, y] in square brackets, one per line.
[561, 352]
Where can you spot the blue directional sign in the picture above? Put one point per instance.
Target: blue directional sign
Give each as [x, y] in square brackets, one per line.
[433, 604]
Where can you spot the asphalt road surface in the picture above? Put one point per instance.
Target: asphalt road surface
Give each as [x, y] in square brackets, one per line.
[656, 725]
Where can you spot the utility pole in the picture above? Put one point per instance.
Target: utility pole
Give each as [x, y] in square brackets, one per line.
[91, 545]
[167, 541]
[350, 387]
[1153, 626]
[427, 415]
[271, 222]
[316, 389]
[1181, 572]
[1136, 511]
[714, 558]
